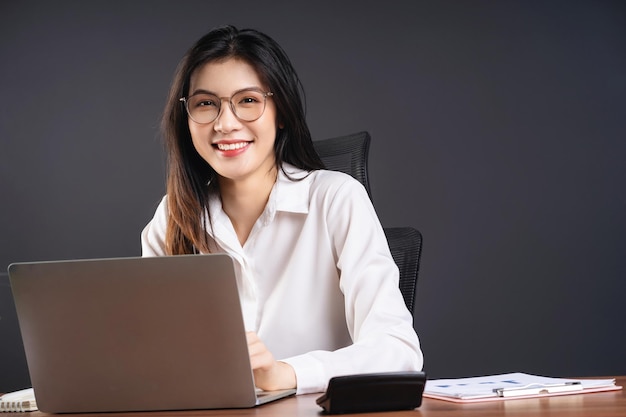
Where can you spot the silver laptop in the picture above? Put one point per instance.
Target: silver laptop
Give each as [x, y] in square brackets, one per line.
[131, 334]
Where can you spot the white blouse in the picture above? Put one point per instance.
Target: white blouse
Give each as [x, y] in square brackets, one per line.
[316, 279]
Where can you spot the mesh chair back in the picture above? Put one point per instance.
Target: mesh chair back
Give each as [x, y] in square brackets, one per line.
[405, 244]
[348, 154]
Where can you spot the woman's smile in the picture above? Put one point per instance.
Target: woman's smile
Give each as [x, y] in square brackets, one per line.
[232, 148]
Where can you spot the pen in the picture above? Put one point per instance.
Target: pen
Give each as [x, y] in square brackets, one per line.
[536, 389]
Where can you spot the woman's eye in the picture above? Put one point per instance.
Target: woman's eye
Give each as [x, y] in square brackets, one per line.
[205, 103]
[248, 100]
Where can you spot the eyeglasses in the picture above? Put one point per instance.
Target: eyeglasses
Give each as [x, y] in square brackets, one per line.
[247, 105]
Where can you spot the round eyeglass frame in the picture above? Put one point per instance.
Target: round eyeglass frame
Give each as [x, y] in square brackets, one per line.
[265, 94]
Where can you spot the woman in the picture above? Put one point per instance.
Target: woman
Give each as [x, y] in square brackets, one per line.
[318, 286]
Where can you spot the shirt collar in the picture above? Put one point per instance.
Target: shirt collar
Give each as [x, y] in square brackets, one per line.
[291, 191]
[288, 195]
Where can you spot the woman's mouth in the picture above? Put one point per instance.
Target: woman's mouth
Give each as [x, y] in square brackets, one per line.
[231, 146]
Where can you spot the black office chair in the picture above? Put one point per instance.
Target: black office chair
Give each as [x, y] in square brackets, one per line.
[349, 154]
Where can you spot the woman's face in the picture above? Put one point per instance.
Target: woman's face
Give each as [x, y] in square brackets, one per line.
[237, 150]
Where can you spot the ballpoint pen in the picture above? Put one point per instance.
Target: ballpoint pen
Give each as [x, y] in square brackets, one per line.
[536, 389]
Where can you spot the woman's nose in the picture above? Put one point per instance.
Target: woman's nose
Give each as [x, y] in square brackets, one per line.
[226, 120]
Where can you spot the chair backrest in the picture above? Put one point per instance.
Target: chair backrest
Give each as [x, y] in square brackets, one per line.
[405, 244]
[347, 154]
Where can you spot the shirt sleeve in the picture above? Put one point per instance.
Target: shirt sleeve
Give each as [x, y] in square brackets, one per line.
[153, 235]
[379, 323]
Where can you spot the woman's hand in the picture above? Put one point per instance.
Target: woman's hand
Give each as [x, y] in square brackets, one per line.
[269, 374]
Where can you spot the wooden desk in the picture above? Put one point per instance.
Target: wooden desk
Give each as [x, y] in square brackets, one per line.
[604, 404]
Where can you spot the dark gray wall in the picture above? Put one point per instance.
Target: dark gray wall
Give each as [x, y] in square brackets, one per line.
[498, 131]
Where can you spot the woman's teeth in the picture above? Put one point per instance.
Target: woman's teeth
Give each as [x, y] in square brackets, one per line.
[231, 146]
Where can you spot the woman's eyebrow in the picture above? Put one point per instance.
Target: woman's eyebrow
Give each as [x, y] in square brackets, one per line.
[202, 91]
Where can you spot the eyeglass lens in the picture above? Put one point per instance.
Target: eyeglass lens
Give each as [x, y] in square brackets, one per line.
[248, 105]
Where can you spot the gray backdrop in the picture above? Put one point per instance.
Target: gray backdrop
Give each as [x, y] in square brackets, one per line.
[498, 131]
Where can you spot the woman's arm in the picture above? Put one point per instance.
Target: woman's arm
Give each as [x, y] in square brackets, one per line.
[380, 325]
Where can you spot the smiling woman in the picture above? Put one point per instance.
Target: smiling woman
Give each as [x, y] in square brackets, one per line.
[244, 179]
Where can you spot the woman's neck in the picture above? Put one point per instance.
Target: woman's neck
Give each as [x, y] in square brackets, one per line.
[244, 201]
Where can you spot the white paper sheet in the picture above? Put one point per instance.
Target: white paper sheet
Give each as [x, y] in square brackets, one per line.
[484, 386]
